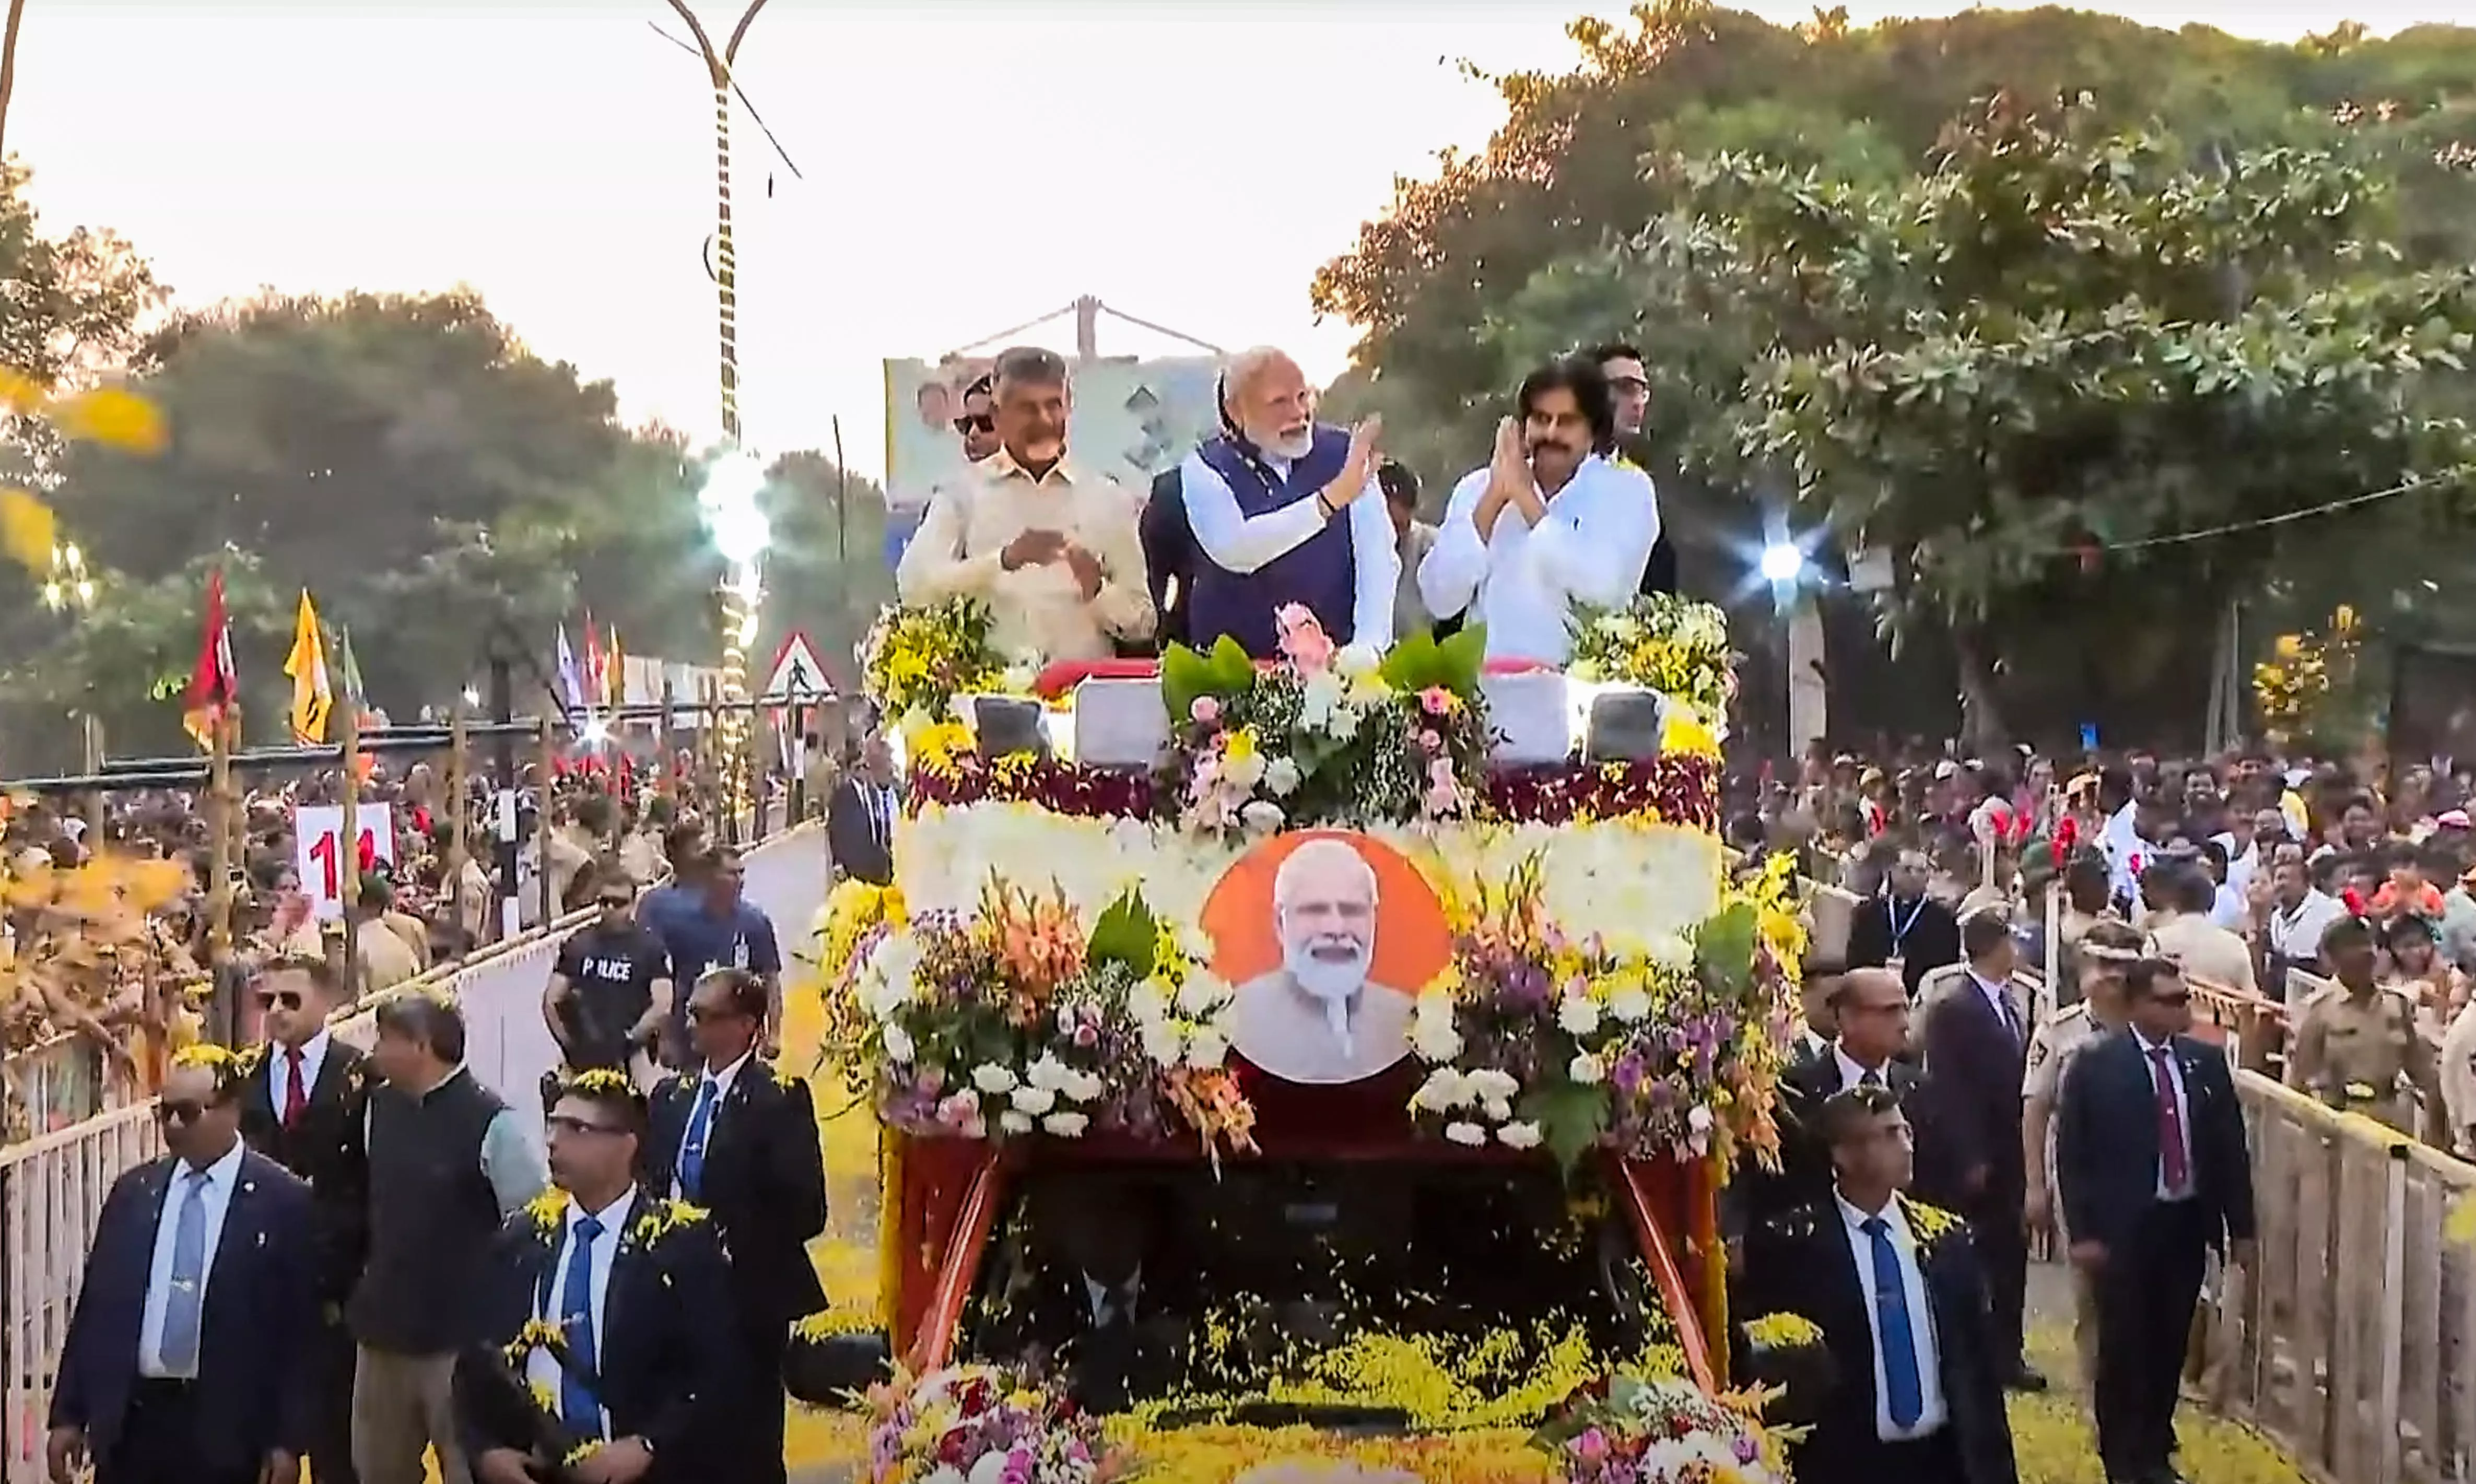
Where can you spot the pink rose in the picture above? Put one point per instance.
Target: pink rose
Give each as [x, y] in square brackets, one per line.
[1430, 741]
[1437, 700]
[1205, 712]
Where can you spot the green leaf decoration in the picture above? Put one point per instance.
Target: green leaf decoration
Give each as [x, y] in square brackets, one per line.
[1125, 933]
[1232, 673]
[1463, 657]
[1724, 947]
[1184, 675]
[1571, 1117]
[1420, 662]
[1409, 663]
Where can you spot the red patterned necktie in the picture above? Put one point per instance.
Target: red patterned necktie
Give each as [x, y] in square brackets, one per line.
[2173, 1163]
[295, 1097]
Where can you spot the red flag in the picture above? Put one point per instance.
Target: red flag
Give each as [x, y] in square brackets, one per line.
[596, 686]
[214, 687]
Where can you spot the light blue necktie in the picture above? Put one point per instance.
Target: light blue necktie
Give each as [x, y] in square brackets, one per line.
[692, 1148]
[1903, 1391]
[575, 1404]
[183, 1305]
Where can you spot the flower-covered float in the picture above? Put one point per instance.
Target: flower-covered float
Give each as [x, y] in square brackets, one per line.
[1325, 1061]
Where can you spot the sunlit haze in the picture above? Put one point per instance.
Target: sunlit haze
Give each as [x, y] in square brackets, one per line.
[967, 167]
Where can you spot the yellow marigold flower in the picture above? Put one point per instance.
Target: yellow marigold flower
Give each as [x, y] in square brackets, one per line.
[113, 415]
[1783, 1333]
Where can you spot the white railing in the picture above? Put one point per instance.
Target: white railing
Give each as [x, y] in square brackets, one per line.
[52, 1186]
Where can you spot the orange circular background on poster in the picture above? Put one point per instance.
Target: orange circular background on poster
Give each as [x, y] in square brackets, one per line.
[1413, 943]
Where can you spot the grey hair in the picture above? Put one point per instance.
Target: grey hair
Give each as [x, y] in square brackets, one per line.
[1249, 365]
[1285, 880]
[1032, 365]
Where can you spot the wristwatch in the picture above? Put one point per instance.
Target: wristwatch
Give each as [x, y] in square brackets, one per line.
[1325, 505]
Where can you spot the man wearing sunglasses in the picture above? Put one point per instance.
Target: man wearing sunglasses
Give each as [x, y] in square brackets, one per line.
[644, 1369]
[738, 1139]
[304, 1108]
[2151, 1162]
[977, 423]
[609, 993]
[190, 1354]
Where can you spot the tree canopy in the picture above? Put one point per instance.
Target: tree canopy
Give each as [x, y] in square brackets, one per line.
[404, 458]
[1987, 294]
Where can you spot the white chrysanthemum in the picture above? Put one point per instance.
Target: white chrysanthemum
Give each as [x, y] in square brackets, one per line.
[1630, 1005]
[1202, 994]
[991, 1078]
[1587, 1069]
[1148, 1002]
[1494, 1085]
[1034, 1100]
[1047, 1072]
[1496, 1110]
[1471, 1134]
[1206, 1049]
[899, 1049]
[1352, 660]
[1012, 1121]
[1281, 776]
[1578, 1015]
[1443, 1091]
[1669, 950]
[1522, 1135]
[1082, 1087]
[1162, 1042]
[1435, 1038]
[1244, 772]
[1066, 1125]
[1261, 816]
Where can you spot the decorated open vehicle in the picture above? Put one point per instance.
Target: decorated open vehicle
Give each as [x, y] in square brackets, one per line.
[1365, 1036]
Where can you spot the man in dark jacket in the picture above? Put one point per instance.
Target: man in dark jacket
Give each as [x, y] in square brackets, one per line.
[1170, 556]
[189, 1352]
[306, 1107]
[734, 1137]
[1904, 929]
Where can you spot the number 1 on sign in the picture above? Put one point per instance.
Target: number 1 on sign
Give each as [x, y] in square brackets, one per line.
[323, 851]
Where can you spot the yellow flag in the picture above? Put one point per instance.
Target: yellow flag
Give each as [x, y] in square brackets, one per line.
[307, 665]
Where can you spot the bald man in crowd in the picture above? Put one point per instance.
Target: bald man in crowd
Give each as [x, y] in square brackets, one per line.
[1286, 510]
[1318, 1018]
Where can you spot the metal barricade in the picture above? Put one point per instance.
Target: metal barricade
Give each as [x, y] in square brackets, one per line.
[52, 1186]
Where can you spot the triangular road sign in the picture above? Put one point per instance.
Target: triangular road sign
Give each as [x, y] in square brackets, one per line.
[796, 670]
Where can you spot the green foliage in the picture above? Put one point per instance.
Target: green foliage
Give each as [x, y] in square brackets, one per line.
[1570, 1116]
[1723, 948]
[1125, 933]
[1422, 662]
[1226, 674]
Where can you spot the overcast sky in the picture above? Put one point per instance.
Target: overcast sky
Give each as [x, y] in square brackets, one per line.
[967, 167]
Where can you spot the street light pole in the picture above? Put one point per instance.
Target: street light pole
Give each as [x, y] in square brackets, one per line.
[740, 591]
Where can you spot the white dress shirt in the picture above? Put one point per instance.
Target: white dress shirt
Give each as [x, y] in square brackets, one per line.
[720, 1081]
[1106, 1302]
[279, 1070]
[1238, 542]
[2183, 1113]
[541, 1368]
[959, 552]
[1931, 1412]
[1591, 547]
[221, 1176]
[1851, 1075]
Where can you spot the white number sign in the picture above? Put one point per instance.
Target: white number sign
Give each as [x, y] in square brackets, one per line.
[328, 866]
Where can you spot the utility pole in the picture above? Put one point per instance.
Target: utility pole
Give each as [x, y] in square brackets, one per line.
[503, 797]
[9, 65]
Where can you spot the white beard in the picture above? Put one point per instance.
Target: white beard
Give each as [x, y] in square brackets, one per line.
[1292, 448]
[1335, 986]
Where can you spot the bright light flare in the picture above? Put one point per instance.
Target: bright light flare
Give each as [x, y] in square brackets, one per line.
[728, 505]
[1782, 562]
[595, 731]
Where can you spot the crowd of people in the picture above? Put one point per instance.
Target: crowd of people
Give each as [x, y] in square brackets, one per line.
[405, 1237]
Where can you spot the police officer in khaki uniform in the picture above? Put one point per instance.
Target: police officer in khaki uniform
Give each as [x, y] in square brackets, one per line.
[2105, 947]
[2357, 1040]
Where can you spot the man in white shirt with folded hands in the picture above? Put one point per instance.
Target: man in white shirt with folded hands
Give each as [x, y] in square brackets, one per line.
[1551, 521]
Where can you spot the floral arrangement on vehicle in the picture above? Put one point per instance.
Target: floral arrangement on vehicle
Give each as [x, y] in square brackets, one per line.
[916, 660]
[1329, 737]
[1541, 1037]
[1659, 1429]
[983, 1424]
[1662, 642]
[1015, 1019]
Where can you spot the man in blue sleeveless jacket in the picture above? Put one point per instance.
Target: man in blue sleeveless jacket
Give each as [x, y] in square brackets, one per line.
[1275, 505]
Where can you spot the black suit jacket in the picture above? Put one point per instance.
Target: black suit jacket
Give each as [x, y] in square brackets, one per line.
[1931, 942]
[2106, 1140]
[668, 1367]
[254, 1335]
[1754, 1196]
[1977, 1065]
[1169, 552]
[852, 835]
[764, 1181]
[328, 1152]
[1801, 1263]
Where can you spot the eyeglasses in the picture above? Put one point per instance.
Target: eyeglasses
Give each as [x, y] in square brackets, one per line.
[279, 999]
[706, 1014]
[179, 1110]
[977, 422]
[560, 1123]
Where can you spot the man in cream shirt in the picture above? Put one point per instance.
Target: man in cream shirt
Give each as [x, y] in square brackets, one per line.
[1551, 521]
[1051, 549]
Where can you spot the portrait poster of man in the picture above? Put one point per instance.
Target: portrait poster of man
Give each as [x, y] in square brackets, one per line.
[1329, 937]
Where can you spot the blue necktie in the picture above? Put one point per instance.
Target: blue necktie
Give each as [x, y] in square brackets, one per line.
[1903, 1391]
[186, 1302]
[692, 1148]
[575, 1404]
